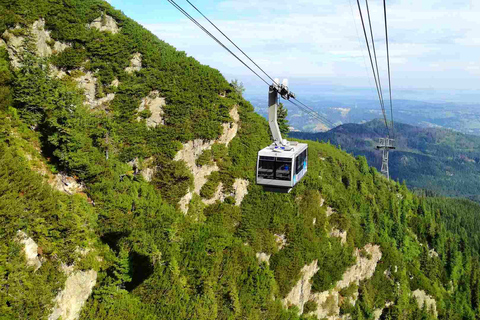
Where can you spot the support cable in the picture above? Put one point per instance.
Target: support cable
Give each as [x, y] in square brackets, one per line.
[213, 37]
[388, 64]
[302, 107]
[315, 118]
[371, 63]
[322, 118]
[232, 42]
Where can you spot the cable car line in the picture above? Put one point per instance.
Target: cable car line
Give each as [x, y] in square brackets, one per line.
[314, 115]
[309, 110]
[214, 38]
[388, 64]
[231, 41]
[324, 119]
[375, 57]
[371, 63]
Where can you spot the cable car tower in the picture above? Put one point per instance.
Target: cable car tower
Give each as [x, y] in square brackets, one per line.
[386, 144]
[283, 164]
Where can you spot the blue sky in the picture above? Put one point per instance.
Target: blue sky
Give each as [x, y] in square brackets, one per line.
[434, 45]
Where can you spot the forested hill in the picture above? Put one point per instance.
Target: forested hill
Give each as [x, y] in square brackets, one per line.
[127, 191]
[435, 159]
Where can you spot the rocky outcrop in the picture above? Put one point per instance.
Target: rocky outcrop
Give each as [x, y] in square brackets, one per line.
[193, 149]
[240, 187]
[135, 63]
[328, 302]
[281, 241]
[71, 299]
[14, 47]
[363, 268]
[263, 257]
[218, 196]
[329, 211]
[155, 104]
[88, 83]
[67, 184]
[339, 234]
[230, 129]
[30, 249]
[115, 83]
[105, 23]
[301, 292]
[41, 37]
[424, 299]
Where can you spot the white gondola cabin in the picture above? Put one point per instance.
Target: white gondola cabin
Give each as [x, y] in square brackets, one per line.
[283, 164]
[281, 168]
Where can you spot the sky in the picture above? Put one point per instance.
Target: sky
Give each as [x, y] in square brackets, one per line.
[434, 45]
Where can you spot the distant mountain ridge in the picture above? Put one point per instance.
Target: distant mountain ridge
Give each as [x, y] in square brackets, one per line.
[436, 159]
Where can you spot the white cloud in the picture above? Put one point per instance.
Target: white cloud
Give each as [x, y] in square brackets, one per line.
[429, 40]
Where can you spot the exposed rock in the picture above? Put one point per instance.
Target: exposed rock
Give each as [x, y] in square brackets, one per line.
[189, 153]
[14, 47]
[322, 201]
[88, 83]
[30, 249]
[230, 129]
[377, 313]
[363, 268]
[41, 37]
[59, 47]
[2, 43]
[70, 300]
[115, 83]
[66, 184]
[300, 293]
[185, 201]
[154, 103]
[105, 23]
[104, 102]
[240, 186]
[281, 241]
[328, 302]
[148, 173]
[263, 257]
[340, 234]
[193, 149]
[424, 299]
[56, 73]
[216, 197]
[135, 63]
[433, 253]
[330, 211]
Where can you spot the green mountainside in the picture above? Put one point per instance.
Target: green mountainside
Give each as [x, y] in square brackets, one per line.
[127, 191]
[434, 159]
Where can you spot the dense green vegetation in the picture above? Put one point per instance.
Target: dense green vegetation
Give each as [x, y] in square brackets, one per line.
[439, 160]
[153, 261]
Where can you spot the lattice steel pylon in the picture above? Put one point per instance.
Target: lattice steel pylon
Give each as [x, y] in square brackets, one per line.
[386, 144]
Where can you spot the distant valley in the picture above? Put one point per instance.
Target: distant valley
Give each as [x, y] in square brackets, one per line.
[461, 117]
[435, 159]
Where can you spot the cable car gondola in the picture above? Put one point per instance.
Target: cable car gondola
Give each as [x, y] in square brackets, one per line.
[283, 164]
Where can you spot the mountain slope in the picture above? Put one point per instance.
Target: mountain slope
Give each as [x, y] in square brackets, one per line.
[435, 159]
[156, 214]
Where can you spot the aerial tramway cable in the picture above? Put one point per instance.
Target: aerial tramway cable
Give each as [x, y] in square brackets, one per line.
[213, 37]
[371, 63]
[304, 108]
[388, 64]
[231, 41]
